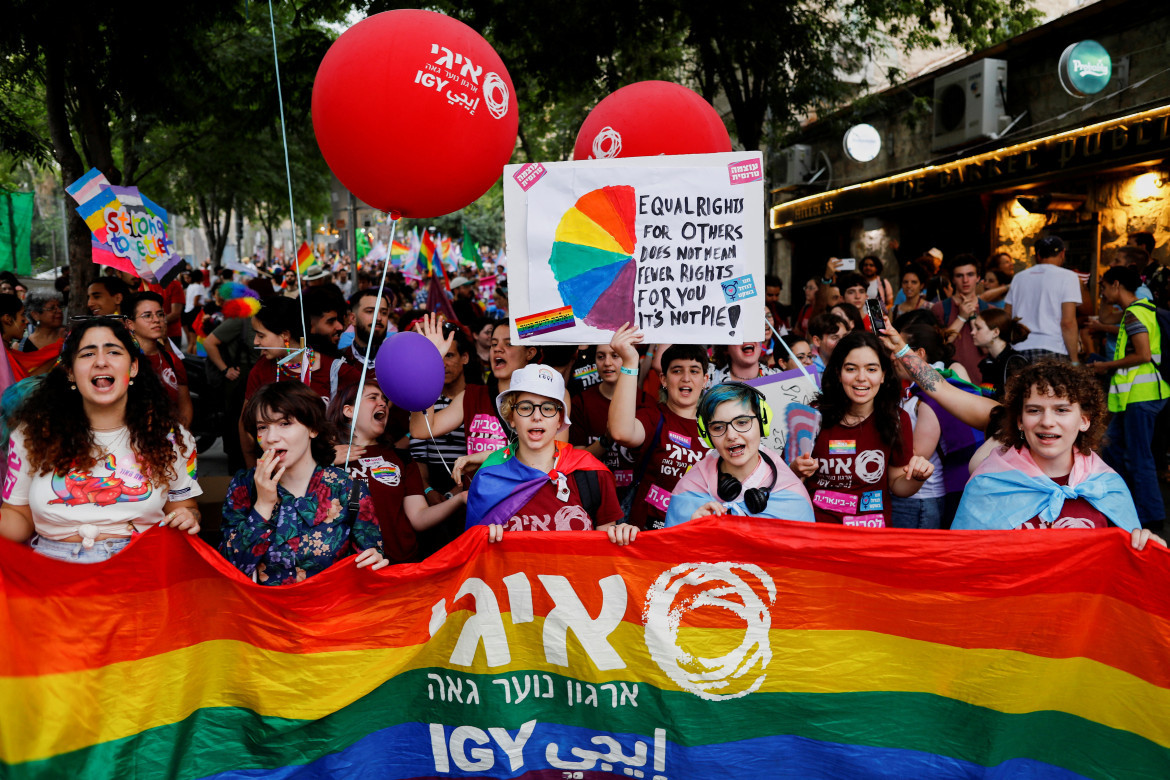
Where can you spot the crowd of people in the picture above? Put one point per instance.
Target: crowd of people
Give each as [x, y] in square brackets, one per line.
[977, 385]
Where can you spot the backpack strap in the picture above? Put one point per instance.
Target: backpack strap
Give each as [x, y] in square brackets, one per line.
[589, 488]
[948, 304]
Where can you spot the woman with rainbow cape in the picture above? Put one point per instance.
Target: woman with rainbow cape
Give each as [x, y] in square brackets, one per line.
[738, 476]
[543, 484]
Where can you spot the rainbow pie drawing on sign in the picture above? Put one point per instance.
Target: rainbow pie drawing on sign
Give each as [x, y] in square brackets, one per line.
[593, 257]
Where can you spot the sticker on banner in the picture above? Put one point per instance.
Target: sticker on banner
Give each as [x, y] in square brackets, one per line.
[739, 289]
[529, 175]
[545, 322]
[744, 172]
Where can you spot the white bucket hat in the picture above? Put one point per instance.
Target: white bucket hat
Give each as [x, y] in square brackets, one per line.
[537, 379]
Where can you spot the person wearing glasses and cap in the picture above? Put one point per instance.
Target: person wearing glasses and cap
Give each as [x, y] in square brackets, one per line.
[738, 476]
[538, 483]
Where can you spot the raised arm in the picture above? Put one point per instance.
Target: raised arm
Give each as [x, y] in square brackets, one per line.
[974, 410]
[623, 424]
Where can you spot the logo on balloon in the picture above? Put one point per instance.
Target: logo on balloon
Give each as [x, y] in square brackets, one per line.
[608, 143]
[495, 95]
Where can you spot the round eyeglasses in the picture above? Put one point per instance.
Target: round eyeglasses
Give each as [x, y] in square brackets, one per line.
[743, 424]
[547, 409]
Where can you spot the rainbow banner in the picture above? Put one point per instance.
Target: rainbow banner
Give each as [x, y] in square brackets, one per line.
[545, 322]
[727, 647]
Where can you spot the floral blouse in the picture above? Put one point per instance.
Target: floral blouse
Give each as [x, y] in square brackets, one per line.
[304, 536]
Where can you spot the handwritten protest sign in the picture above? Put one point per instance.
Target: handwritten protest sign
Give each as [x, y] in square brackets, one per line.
[129, 229]
[674, 245]
[789, 394]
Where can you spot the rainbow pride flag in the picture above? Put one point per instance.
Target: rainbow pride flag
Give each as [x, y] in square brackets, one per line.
[304, 257]
[398, 248]
[723, 648]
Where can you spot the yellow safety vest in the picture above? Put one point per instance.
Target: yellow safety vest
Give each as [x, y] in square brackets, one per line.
[1142, 382]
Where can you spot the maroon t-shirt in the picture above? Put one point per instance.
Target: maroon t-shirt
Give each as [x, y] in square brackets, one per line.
[390, 482]
[482, 426]
[264, 372]
[590, 416]
[853, 472]
[678, 448]
[546, 512]
[966, 353]
[1076, 513]
[172, 373]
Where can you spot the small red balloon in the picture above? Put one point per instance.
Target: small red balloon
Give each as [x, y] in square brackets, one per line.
[651, 118]
[415, 112]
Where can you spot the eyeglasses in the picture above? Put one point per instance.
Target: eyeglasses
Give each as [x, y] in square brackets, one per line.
[151, 315]
[547, 409]
[54, 307]
[743, 424]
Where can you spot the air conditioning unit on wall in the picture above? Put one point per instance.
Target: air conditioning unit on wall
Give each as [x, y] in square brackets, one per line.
[793, 166]
[968, 104]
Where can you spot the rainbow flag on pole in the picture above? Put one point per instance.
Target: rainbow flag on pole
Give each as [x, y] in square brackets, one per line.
[304, 257]
[726, 647]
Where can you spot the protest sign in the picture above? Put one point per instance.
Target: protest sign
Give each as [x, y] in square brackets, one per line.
[129, 229]
[673, 245]
[790, 394]
[725, 647]
[486, 286]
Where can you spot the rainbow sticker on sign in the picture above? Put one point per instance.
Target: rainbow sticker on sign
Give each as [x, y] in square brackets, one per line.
[545, 322]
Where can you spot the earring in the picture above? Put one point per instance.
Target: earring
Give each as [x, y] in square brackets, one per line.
[72, 387]
[131, 381]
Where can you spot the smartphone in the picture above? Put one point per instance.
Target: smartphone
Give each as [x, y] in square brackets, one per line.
[877, 315]
[847, 264]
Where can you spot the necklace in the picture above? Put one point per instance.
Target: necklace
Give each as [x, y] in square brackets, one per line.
[852, 419]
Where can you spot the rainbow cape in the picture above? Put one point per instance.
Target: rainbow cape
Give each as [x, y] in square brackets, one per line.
[724, 648]
[788, 500]
[500, 490]
[1009, 489]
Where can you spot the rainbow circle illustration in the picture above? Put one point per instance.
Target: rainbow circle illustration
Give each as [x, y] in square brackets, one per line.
[593, 257]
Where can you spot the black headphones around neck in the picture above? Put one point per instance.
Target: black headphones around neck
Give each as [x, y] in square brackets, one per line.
[755, 499]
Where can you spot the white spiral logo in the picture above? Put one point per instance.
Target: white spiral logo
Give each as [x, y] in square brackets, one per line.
[497, 104]
[608, 143]
[870, 466]
[710, 585]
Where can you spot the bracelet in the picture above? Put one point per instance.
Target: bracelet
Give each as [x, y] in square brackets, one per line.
[428, 490]
[902, 352]
[629, 371]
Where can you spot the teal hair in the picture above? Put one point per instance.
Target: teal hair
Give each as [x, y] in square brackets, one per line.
[728, 391]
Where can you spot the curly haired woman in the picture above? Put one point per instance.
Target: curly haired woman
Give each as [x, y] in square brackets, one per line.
[84, 475]
[1046, 474]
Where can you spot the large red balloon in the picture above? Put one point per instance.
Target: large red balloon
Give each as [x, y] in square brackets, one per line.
[651, 118]
[414, 112]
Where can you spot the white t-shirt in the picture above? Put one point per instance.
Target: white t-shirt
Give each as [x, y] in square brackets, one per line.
[1036, 296]
[107, 498]
[194, 289]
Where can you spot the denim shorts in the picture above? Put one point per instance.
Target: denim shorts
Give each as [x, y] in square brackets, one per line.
[76, 552]
[916, 512]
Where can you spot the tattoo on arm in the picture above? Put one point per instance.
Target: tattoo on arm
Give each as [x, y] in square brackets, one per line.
[921, 372]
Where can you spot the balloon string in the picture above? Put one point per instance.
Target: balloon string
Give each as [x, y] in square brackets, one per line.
[370, 341]
[437, 449]
[288, 176]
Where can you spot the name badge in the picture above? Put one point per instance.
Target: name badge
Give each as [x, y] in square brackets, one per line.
[837, 503]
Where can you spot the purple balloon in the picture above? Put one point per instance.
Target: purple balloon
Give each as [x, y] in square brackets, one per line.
[410, 371]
